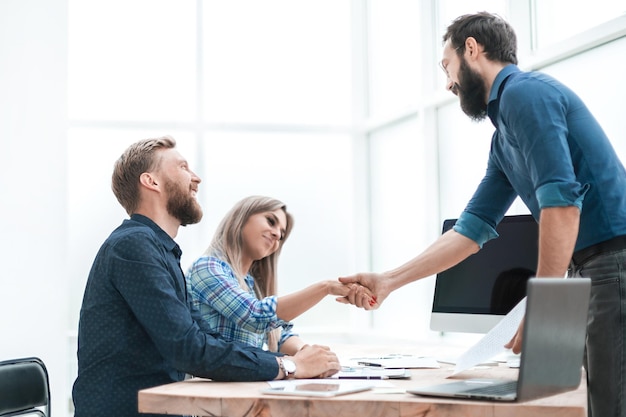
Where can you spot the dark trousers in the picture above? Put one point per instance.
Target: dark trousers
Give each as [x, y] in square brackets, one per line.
[605, 353]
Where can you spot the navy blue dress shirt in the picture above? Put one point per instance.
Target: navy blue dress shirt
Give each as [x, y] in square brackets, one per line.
[137, 328]
[550, 150]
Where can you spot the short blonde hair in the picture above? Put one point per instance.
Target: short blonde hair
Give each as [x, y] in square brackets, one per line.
[138, 158]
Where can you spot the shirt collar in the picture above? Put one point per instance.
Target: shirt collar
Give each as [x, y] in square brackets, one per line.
[165, 239]
[496, 89]
[502, 75]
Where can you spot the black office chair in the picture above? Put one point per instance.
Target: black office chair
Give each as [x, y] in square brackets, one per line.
[24, 388]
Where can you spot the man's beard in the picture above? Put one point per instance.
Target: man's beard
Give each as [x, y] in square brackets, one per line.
[182, 205]
[472, 92]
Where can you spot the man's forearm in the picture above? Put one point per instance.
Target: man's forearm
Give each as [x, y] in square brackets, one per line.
[558, 231]
[447, 251]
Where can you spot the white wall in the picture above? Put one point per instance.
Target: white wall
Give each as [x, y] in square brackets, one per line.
[33, 291]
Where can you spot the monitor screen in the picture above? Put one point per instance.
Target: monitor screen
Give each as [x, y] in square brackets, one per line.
[474, 295]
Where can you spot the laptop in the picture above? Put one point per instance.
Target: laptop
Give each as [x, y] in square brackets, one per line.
[552, 347]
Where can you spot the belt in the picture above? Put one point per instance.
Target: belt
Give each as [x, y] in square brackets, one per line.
[613, 244]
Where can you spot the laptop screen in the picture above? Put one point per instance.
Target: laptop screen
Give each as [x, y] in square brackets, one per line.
[487, 285]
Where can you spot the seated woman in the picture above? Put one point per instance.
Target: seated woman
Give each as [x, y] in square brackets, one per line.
[234, 283]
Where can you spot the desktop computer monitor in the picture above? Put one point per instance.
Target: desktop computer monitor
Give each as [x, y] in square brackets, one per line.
[474, 295]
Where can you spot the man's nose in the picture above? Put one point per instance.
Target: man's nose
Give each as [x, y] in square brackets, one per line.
[449, 84]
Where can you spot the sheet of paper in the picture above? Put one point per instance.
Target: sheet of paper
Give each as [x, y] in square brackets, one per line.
[348, 382]
[399, 361]
[492, 343]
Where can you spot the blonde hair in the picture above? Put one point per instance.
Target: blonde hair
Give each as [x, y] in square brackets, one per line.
[227, 244]
[138, 158]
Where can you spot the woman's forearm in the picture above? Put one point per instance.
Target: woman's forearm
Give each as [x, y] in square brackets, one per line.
[292, 305]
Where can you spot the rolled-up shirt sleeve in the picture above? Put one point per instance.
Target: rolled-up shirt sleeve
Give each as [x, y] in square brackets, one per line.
[487, 206]
[474, 228]
[286, 333]
[561, 195]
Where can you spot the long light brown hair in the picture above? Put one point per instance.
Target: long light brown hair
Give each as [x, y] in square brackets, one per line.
[227, 244]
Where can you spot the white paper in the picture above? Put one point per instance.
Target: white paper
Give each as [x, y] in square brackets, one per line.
[345, 382]
[492, 343]
[398, 361]
[364, 372]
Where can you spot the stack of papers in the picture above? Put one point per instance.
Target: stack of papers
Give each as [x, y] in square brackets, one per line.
[350, 372]
[315, 388]
[398, 361]
[383, 367]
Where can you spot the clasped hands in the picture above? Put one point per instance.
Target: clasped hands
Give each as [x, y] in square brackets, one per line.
[364, 290]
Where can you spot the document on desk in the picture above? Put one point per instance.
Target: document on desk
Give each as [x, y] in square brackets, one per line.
[361, 372]
[397, 361]
[290, 384]
[316, 388]
[492, 343]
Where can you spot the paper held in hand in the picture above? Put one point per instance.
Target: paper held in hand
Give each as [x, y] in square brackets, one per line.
[492, 344]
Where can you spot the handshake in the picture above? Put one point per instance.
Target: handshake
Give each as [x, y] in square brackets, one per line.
[363, 290]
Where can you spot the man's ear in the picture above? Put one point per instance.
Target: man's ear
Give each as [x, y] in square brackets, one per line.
[149, 181]
[472, 48]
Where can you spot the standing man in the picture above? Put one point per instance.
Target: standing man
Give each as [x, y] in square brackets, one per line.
[136, 327]
[549, 150]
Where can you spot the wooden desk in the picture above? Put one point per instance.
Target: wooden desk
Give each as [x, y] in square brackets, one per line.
[202, 397]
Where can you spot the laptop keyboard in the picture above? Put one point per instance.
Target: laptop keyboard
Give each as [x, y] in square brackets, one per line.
[495, 389]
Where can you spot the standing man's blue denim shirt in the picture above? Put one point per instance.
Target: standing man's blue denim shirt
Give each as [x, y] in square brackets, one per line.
[550, 150]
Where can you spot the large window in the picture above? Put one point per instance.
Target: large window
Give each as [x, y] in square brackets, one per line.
[259, 97]
[132, 61]
[276, 62]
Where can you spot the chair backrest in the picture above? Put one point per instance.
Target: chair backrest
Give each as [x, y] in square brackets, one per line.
[24, 388]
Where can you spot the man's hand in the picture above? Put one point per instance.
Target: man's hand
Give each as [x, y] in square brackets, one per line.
[515, 344]
[367, 290]
[315, 361]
